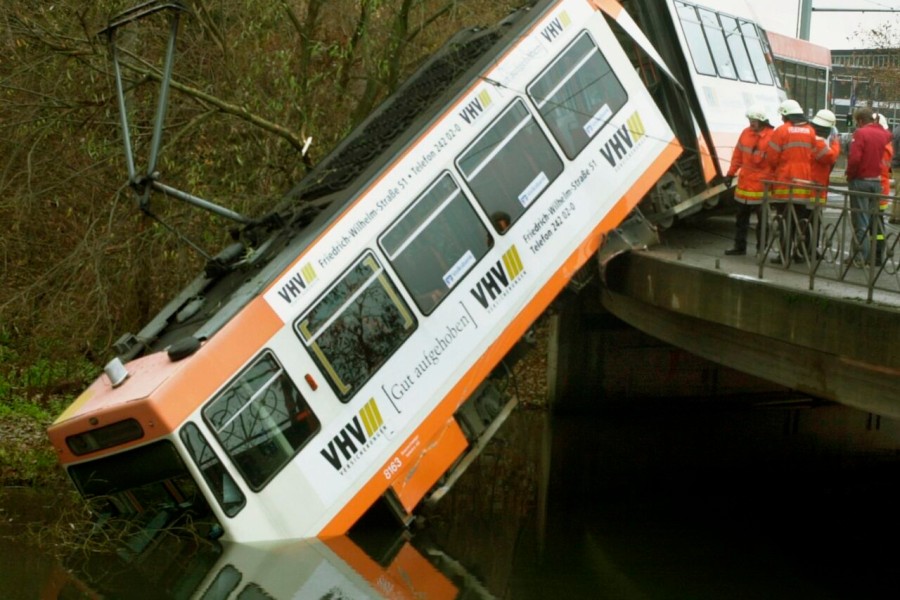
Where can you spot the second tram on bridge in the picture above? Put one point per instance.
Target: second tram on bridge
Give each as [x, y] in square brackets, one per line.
[341, 351]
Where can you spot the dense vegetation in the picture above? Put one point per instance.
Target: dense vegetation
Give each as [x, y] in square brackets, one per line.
[80, 263]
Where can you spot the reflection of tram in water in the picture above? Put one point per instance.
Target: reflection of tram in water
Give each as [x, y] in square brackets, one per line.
[389, 567]
[335, 568]
[341, 352]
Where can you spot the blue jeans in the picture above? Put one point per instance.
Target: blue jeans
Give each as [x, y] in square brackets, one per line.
[865, 209]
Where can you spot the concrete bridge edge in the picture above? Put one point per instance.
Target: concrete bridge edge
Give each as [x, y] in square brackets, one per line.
[839, 350]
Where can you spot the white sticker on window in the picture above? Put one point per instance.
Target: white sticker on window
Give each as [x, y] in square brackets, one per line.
[600, 117]
[461, 267]
[534, 189]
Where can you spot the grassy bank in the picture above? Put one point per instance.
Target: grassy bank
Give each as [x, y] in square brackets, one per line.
[26, 457]
[33, 391]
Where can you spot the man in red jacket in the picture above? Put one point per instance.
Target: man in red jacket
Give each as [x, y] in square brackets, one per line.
[864, 175]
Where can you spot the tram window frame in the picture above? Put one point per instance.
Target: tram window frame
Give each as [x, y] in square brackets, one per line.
[217, 477]
[760, 56]
[245, 411]
[521, 161]
[356, 339]
[436, 242]
[578, 117]
[718, 45]
[692, 27]
[739, 54]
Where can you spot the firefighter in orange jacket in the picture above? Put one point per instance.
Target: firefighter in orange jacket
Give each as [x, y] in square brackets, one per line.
[825, 154]
[826, 151]
[790, 154]
[748, 162]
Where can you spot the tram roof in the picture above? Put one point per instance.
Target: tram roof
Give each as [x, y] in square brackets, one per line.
[797, 50]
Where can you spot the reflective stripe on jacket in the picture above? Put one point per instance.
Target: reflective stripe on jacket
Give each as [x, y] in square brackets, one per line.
[748, 161]
[790, 154]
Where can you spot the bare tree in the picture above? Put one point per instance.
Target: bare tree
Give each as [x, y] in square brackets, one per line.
[253, 80]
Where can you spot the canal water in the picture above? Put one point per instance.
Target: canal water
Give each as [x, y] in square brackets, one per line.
[683, 500]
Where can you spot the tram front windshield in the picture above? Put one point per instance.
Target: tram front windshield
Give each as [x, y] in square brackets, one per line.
[146, 481]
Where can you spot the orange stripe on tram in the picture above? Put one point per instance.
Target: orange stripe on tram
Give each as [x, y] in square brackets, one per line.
[610, 7]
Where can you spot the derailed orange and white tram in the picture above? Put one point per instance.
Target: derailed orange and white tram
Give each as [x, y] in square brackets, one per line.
[341, 352]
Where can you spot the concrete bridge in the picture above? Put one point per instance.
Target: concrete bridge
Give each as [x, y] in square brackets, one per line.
[824, 327]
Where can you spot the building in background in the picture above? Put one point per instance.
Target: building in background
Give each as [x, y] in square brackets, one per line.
[869, 77]
[805, 70]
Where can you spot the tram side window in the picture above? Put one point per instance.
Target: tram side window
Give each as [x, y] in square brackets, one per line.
[716, 39]
[261, 420]
[696, 41]
[577, 95]
[356, 326]
[738, 50]
[227, 493]
[758, 55]
[435, 243]
[510, 164]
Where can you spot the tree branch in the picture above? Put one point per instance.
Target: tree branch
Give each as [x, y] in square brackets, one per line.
[226, 107]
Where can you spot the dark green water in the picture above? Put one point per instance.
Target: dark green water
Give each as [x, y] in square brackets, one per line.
[664, 501]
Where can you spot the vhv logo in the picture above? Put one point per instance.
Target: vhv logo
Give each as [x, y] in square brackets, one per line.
[476, 107]
[297, 283]
[355, 438]
[499, 278]
[623, 140]
[556, 26]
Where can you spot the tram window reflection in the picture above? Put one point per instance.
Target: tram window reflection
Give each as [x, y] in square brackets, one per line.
[577, 95]
[224, 584]
[261, 420]
[435, 243]
[511, 163]
[356, 326]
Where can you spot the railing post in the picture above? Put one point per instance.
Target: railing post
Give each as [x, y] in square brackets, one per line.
[763, 230]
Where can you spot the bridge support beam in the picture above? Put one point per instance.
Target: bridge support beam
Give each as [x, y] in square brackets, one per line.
[830, 348]
[597, 358]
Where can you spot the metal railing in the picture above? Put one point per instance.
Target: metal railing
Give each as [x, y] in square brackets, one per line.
[806, 231]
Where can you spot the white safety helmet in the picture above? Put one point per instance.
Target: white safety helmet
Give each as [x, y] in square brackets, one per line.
[824, 118]
[790, 107]
[881, 120]
[757, 113]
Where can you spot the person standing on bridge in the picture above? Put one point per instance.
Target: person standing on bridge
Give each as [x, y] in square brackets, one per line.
[825, 154]
[886, 159]
[895, 166]
[864, 175]
[748, 162]
[826, 151]
[790, 154]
